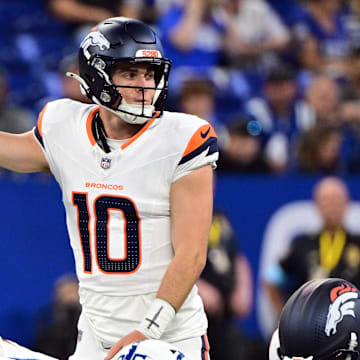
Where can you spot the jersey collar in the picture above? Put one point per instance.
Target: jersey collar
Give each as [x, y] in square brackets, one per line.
[89, 129]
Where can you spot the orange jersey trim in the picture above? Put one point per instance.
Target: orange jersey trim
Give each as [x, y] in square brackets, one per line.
[199, 137]
[137, 135]
[40, 119]
[90, 134]
[89, 121]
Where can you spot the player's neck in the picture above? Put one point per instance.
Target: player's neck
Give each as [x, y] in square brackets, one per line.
[115, 127]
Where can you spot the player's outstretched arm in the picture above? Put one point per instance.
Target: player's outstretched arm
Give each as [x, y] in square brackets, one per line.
[21, 153]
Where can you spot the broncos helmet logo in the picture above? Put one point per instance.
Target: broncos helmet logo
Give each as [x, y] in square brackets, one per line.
[342, 303]
[94, 38]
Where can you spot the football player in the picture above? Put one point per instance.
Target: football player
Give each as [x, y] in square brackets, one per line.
[320, 321]
[137, 189]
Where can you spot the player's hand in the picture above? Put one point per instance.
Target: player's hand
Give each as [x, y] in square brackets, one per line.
[126, 340]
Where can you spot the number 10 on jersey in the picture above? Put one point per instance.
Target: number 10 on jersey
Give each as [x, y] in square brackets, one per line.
[102, 206]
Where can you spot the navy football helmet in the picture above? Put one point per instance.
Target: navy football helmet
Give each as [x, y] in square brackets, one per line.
[122, 40]
[150, 350]
[321, 321]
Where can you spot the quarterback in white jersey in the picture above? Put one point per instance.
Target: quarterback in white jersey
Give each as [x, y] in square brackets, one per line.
[137, 188]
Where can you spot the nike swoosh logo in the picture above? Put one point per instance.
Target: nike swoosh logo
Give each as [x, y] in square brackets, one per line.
[205, 134]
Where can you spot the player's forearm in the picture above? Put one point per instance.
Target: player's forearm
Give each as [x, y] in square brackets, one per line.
[21, 153]
[181, 276]
[183, 271]
[191, 213]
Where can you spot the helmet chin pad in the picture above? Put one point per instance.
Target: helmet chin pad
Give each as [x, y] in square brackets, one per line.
[131, 113]
[134, 114]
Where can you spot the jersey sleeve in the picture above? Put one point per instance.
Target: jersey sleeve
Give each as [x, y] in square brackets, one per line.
[46, 133]
[38, 128]
[38, 131]
[201, 150]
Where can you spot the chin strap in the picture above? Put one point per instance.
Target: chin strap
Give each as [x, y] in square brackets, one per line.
[100, 133]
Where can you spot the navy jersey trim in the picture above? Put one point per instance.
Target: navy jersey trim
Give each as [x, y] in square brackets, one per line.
[210, 143]
[38, 136]
[204, 348]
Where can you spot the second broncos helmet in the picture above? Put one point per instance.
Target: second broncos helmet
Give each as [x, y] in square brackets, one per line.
[321, 321]
[121, 40]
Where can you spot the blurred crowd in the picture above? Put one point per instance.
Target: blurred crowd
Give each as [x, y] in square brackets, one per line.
[279, 79]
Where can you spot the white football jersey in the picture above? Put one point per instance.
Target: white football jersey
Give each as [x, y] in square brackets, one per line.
[117, 204]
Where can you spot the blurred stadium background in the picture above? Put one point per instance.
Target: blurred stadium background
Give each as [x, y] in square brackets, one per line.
[281, 86]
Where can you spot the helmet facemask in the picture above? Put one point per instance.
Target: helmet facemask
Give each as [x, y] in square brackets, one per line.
[140, 113]
[100, 88]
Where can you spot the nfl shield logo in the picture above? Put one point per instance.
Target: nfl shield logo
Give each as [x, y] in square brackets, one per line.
[105, 163]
